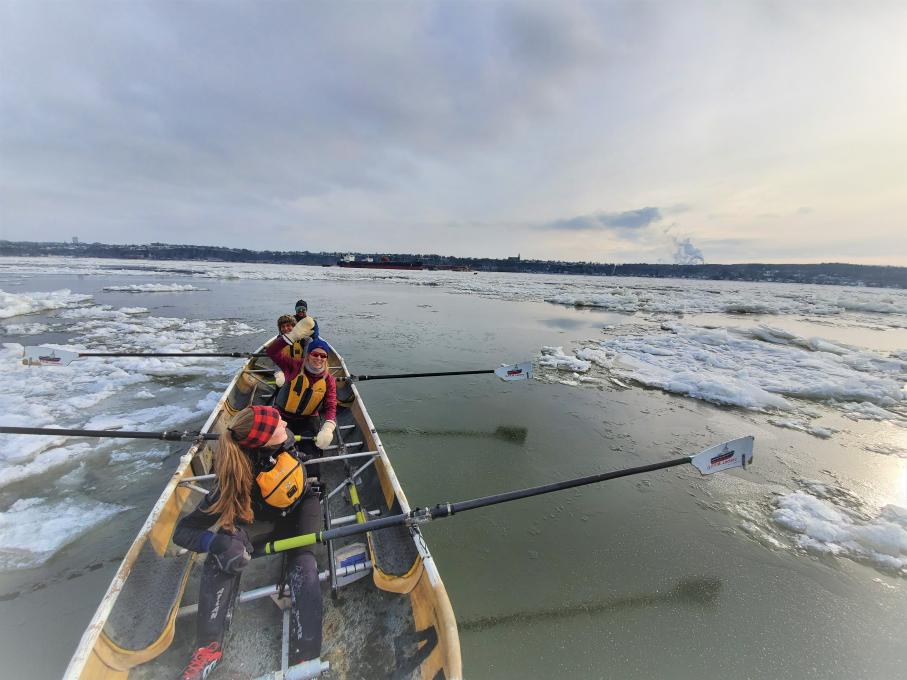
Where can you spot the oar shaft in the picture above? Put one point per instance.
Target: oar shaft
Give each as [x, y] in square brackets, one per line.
[418, 375]
[485, 501]
[447, 509]
[169, 435]
[234, 355]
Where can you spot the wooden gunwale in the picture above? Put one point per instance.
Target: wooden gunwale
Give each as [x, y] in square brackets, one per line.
[96, 625]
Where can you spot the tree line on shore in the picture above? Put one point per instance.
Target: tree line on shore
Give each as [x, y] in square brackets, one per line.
[832, 273]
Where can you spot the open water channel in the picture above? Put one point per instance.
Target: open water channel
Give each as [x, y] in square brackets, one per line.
[793, 568]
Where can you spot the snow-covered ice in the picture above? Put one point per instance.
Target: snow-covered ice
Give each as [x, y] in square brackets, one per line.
[155, 288]
[823, 527]
[554, 357]
[33, 529]
[17, 304]
[761, 368]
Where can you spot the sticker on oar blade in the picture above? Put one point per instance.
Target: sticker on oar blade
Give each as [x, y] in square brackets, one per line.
[47, 356]
[521, 371]
[735, 453]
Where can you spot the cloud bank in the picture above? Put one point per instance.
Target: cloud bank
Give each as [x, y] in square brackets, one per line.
[442, 127]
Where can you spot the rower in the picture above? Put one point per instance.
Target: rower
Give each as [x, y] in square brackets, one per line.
[259, 478]
[297, 350]
[309, 393]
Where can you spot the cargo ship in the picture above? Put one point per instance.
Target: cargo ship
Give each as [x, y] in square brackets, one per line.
[382, 263]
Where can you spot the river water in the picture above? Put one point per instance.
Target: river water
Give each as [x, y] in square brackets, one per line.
[793, 568]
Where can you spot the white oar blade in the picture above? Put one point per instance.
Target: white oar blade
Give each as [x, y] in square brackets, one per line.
[521, 371]
[46, 356]
[732, 454]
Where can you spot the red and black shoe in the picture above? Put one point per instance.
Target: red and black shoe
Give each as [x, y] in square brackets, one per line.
[203, 662]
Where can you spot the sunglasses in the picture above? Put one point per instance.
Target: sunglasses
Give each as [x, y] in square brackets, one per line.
[318, 355]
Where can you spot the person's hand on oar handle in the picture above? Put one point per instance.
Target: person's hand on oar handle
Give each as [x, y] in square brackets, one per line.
[303, 329]
[232, 552]
[325, 434]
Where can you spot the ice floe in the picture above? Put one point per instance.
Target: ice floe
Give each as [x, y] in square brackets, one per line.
[803, 426]
[821, 526]
[33, 529]
[155, 288]
[17, 304]
[760, 368]
[135, 393]
[107, 392]
[828, 520]
[554, 357]
[24, 328]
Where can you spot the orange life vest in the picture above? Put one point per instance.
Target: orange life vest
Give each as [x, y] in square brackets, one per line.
[284, 484]
[300, 397]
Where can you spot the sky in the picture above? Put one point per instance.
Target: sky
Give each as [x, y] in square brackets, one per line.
[723, 132]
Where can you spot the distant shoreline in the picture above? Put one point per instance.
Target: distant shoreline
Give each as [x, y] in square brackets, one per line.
[839, 274]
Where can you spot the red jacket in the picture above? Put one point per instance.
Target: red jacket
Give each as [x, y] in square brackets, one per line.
[291, 368]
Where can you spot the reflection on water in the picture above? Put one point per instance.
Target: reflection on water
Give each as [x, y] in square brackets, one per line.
[691, 591]
[508, 433]
[566, 324]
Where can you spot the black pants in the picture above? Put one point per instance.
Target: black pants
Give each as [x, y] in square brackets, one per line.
[218, 590]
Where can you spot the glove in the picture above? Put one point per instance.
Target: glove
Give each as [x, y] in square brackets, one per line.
[325, 434]
[279, 379]
[232, 552]
[303, 329]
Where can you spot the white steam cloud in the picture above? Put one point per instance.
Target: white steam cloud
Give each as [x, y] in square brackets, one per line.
[686, 253]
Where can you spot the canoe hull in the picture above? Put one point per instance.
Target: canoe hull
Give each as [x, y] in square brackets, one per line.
[399, 623]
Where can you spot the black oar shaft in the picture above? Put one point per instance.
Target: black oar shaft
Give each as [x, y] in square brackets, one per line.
[485, 501]
[447, 509]
[168, 435]
[234, 355]
[419, 375]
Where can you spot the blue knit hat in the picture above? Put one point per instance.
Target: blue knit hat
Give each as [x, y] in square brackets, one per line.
[318, 343]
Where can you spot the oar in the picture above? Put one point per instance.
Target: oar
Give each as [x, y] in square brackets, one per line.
[166, 435]
[509, 373]
[48, 356]
[730, 454]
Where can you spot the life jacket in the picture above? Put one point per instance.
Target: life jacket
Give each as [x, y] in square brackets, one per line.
[295, 351]
[300, 396]
[282, 485]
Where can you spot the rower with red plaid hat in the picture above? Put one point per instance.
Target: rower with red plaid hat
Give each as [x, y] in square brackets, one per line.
[259, 478]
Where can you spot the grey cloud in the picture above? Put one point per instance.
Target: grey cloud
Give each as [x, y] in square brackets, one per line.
[626, 222]
[181, 111]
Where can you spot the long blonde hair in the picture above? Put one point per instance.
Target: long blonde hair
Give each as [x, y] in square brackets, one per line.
[233, 470]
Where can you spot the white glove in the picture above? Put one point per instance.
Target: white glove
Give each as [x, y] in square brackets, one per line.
[279, 380]
[325, 434]
[302, 329]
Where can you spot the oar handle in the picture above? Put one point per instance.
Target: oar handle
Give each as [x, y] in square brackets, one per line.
[390, 376]
[168, 435]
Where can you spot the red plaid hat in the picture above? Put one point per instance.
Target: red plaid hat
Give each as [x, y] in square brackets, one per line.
[266, 420]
